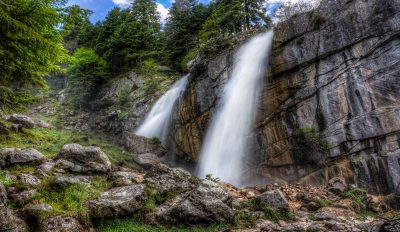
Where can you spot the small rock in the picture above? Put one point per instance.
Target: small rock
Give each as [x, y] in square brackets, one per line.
[120, 201]
[275, 199]
[43, 124]
[123, 178]
[23, 120]
[87, 159]
[45, 169]
[316, 227]
[28, 180]
[337, 185]
[33, 212]
[22, 198]
[61, 224]
[67, 180]
[147, 161]
[323, 216]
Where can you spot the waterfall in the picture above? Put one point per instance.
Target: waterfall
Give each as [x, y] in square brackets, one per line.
[157, 121]
[225, 143]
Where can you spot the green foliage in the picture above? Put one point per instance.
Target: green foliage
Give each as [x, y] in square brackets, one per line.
[86, 72]
[75, 20]
[244, 217]
[323, 202]
[191, 55]
[123, 96]
[14, 100]
[358, 196]
[186, 18]
[126, 225]
[213, 179]
[70, 201]
[30, 47]
[309, 147]
[128, 37]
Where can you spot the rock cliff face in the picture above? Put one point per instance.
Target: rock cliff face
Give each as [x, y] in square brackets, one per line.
[335, 69]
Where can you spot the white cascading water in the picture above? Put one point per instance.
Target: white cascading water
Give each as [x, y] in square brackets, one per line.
[157, 121]
[225, 143]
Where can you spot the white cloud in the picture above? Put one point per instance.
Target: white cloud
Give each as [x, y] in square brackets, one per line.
[123, 3]
[164, 12]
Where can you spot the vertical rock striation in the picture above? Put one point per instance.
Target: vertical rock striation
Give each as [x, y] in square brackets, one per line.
[335, 69]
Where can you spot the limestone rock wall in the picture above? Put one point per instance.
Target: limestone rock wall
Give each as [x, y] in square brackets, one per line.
[336, 69]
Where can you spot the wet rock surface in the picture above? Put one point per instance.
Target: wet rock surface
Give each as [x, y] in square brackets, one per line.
[324, 73]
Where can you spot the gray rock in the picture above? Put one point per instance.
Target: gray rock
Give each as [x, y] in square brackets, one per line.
[43, 124]
[167, 179]
[121, 201]
[147, 161]
[323, 216]
[125, 178]
[23, 120]
[45, 169]
[8, 220]
[67, 180]
[61, 224]
[275, 199]
[140, 145]
[28, 180]
[33, 212]
[207, 204]
[11, 156]
[337, 185]
[86, 159]
[23, 197]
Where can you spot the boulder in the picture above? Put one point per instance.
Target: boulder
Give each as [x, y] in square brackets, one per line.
[87, 159]
[11, 156]
[322, 216]
[167, 179]
[125, 178]
[147, 160]
[120, 201]
[8, 221]
[28, 180]
[140, 145]
[61, 224]
[67, 180]
[275, 199]
[207, 204]
[22, 120]
[337, 185]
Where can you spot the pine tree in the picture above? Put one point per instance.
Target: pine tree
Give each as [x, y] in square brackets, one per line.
[30, 45]
[182, 29]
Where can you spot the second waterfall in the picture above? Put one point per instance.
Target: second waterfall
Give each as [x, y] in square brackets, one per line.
[225, 144]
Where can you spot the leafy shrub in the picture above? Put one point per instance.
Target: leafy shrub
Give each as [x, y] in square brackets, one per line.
[123, 96]
[309, 147]
[191, 55]
[323, 202]
[213, 179]
[358, 196]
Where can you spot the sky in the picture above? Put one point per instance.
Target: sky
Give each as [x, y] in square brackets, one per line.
[102, 7]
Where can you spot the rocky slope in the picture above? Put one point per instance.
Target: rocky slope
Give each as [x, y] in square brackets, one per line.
[333, 78]
[80, 188]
